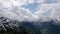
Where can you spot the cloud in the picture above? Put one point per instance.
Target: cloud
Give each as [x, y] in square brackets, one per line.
[40, 1]
[17, 13]
[11, 10]
[51, 10]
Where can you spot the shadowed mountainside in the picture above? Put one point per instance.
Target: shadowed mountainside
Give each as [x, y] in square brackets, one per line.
[8, 26]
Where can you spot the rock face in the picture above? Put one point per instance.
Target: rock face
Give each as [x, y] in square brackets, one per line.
[8, 24]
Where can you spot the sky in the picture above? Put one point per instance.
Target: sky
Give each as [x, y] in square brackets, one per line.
[30, 10]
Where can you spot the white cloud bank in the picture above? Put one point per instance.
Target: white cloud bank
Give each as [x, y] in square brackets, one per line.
[10, 9]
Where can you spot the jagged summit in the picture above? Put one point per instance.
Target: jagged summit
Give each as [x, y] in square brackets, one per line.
[8, 24]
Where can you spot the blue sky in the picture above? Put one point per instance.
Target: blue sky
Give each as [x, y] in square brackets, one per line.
[33, 7]
[51, 1]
